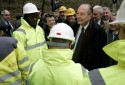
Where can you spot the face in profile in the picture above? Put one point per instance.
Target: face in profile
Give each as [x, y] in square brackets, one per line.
[96, 15]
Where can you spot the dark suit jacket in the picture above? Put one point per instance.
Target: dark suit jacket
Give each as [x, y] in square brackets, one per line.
[109, 40]
[7, 29]
[89, 51]
[102, 23]
[110, 37]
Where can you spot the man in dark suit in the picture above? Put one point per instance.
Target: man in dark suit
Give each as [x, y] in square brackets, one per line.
[5, 23]
[89, 40]
[97, 15]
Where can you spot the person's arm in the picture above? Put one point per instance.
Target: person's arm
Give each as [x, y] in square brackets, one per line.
[20, 36]
[23, 62]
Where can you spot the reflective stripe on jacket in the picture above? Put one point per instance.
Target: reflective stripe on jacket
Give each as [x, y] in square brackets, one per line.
[96, 78]
[113, 75]
[32, 40]
[14, 63]
[56, 68]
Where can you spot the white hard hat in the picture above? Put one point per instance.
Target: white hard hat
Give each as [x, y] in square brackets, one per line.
[62, 31]
[30, 8]
[120, 18]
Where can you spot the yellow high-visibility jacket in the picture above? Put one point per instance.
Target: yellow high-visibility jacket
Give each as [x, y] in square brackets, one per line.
[14, 63]
[32, 40]
[113, 75]
[56, 68]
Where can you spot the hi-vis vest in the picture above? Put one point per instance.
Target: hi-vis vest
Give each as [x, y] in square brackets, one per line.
[112, 75]
[14, 64]
[35, 80]
[32, 39]
[56, 68]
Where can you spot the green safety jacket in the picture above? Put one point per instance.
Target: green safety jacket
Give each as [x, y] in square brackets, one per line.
[14, 63]
[32, 40]
[56, 68]
[113, 75]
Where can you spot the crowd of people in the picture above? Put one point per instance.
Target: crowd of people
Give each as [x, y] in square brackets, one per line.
[64, 47]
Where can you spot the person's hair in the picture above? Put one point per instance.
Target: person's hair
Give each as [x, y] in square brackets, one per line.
[90, 11]
[104, 8]
[99, 8]
[56, 9]
[90, 8]
[48, 15]
[4, 11]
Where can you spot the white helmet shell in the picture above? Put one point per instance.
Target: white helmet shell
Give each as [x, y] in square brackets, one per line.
[62, 31]
[30, 8]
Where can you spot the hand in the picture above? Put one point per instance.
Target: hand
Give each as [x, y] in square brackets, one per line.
[1, 33]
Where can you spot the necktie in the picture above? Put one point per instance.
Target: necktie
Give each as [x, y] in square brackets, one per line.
[8, 26]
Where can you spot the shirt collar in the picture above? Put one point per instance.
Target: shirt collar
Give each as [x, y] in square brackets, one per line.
[86, 26]
[99, 22]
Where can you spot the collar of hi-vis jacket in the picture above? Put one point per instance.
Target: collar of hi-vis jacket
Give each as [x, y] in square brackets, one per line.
[116, 50]
[24, 22]
[57, 57]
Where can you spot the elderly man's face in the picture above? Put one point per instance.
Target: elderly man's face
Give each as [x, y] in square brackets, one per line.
[83, 16]
[96, 15]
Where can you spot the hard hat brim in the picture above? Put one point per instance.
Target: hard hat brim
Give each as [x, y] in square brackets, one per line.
[31, 12]
[49, 37]
[69, 15]
[117, 22]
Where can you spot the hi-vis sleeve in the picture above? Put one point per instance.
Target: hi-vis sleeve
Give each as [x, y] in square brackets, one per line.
[22, 61]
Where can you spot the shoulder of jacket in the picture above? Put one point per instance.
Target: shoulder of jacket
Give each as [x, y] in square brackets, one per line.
[36, 66]
[13, 42]
[9, 41]
[21, 30]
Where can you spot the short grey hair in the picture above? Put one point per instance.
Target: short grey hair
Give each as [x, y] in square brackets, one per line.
[104, 8]
[99, 8]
